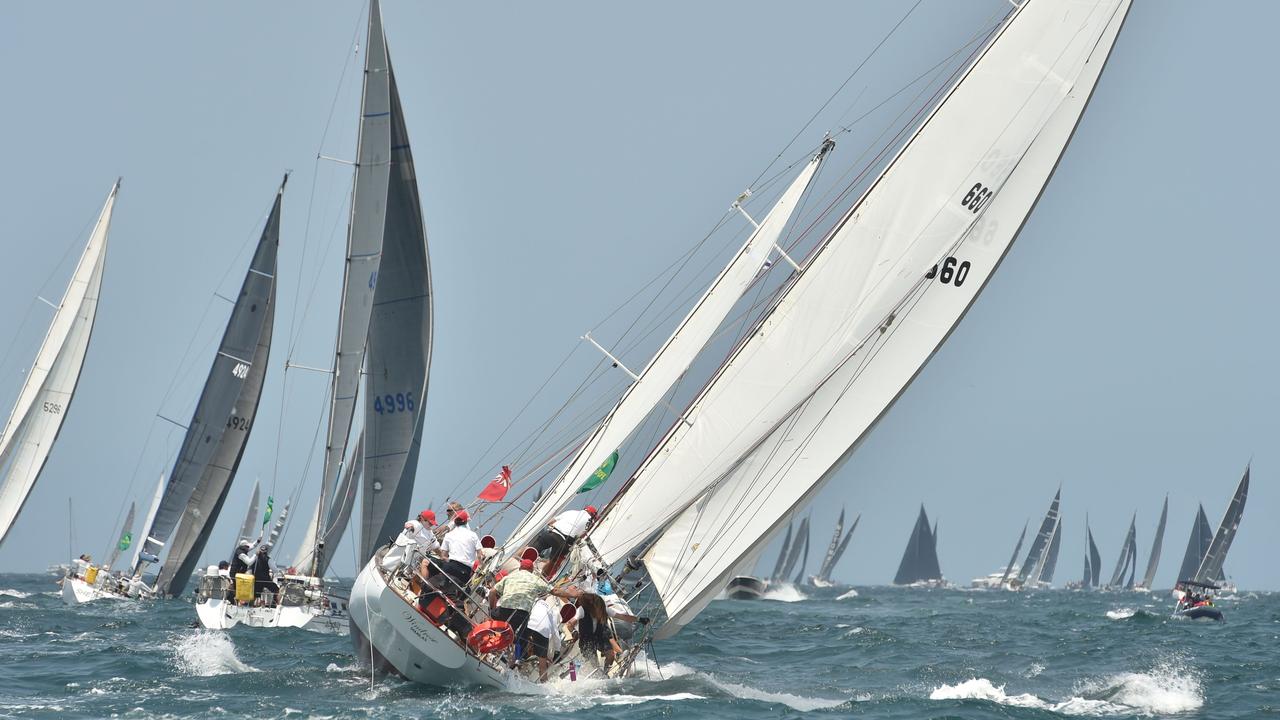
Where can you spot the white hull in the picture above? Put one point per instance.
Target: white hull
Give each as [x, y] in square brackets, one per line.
[76, 592]
[390, 632]
[818, 582]
[218, 614]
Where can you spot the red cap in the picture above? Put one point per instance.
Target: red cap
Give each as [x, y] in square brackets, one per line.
[428, 517]
[591, 510]
[461, 516]
[526, 564]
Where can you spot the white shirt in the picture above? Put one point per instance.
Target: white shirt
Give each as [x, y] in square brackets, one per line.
[421, 534]
[543, 621]
[461, 544]
[572, 523]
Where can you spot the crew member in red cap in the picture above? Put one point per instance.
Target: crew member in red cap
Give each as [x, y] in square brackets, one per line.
[513, 597]
[424, 538]
[560, 534]
[459, 548]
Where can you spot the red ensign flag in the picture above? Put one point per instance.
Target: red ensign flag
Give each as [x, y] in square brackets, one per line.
[498, 487]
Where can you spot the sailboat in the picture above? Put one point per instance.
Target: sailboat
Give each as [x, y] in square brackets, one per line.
[826, 359]
[43, 403]
[1127, 563]
[1195, 593]
[1000, 578]
[1037, 569]
[188, 501]
[1092, 562]
[1153, 560]
[835, 551]
[919, 565]
[384, 338]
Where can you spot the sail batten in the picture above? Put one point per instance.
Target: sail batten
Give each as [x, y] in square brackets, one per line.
[45, 399]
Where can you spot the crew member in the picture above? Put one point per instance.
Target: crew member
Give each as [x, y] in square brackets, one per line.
[262, 581]
[458, 548]
[555, 540]
[542, 638]
[241, 559]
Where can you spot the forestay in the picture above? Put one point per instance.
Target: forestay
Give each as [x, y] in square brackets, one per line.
[673, 358]
[868, 277]
[46, 395]
[1211, 567]
[222, 421]
[1049, 57]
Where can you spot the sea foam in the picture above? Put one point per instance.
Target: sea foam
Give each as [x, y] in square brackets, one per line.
[207, 653]
[786, 592]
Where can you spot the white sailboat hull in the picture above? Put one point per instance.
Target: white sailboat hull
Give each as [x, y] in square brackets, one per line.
[219, 614]
[390, 633]
[76, 591]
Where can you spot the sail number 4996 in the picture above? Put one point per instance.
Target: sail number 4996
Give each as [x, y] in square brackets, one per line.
[400, 402]
[952, 272]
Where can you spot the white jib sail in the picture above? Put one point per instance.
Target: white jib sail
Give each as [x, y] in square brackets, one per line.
[672, 359]
[1061, 46]
[935, 196]
[46, 396]
[151, 516]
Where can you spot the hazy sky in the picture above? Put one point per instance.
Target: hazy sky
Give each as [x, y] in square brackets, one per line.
[568, 153]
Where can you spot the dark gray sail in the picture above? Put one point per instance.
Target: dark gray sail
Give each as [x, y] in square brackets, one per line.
[804, 560]
[399, 351]
[1008, 568]
[1153, 561]
[782, 556]
[220, 426]
[830, 567]
[833, 545]
[1210, 569]
[920, 560]
[1095, 560]
[1051, 561]
[797, 545]
[1126, 554]
[1197, 546]
[1040, 545]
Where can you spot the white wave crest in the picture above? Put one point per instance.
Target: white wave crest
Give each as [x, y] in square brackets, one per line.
[207, 653]
[849, 595]
[1123, 613]
[10, 592]
[785, 592]
[1165, 689]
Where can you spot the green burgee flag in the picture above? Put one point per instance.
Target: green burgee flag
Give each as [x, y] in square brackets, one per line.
[267, 517]
[600, 475]
[125, 541]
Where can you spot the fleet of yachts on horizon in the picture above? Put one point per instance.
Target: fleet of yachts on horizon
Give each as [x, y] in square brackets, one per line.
[837, 330]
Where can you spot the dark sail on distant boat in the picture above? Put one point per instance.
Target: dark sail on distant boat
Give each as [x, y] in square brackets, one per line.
[1040, 545]
[804, 560]
[1210, 569]
[1008, 568]
[920, 561]
[782, 555]
[835, 552]
[799, 543]
[1051, 563]
[1197, 546]
[1095, 560]
[1128, 559]
[1154, 560]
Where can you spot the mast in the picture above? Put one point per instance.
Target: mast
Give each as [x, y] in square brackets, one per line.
[220, 426]
[1154, 559]
[711, 514]
[45, 399]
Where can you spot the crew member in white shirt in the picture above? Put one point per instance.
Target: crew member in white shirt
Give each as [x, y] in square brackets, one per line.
[459, 548]
[560, 534]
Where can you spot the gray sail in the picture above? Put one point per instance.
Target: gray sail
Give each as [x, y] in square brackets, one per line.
[1095, 560]
[344, 500]
[123, 540]
[1197, 546]
[1210, 569]
[399, 351]
[1153, 561]
[804, 560]
[222, 421]
[1008, 568]
[801, 540]
[833, 545]
[1040, 545]
[1133, 563]
[920, 560]
[1126, 554]
[782, 556]
[232, 393]
[1051, 560]
[249, 526]
[844, 545]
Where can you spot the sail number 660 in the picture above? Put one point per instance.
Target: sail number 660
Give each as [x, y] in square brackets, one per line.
[978, 196]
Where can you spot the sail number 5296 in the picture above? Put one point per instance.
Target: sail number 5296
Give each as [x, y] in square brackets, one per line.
[400, 402]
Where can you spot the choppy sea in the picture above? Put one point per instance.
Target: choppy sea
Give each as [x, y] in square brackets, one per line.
[873, 652]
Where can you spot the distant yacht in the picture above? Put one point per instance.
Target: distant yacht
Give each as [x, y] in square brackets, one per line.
[1195, 593]
[919, 566]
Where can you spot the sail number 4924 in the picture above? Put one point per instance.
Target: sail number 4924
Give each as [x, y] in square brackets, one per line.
[399, 402]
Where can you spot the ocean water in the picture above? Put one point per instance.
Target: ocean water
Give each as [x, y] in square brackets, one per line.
[874, 652]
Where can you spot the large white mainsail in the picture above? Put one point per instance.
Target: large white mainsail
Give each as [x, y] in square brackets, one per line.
[673, 358]
[955, 198]
[221, 423]
[933, 200]
[359, 280]
[46, 395]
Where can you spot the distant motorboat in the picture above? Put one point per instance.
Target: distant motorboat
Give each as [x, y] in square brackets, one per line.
[746, 587]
